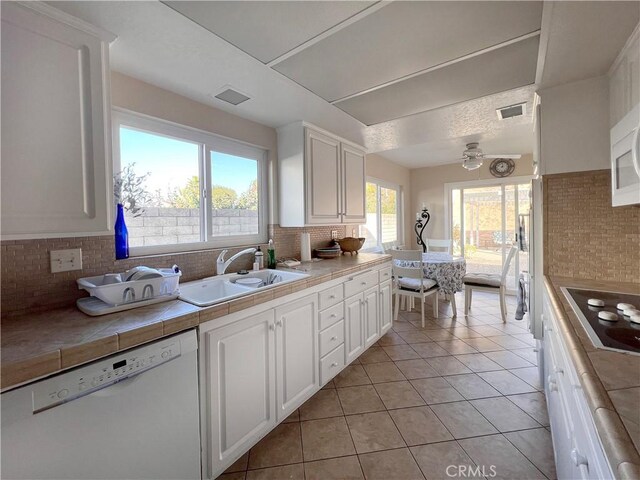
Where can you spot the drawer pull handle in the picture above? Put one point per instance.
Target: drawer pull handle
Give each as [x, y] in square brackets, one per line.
[578, 459]
[558, 370]
[363, 283]
[331, 297]
[333, 315]
[553, 386]
[334, 364]
[333, 339]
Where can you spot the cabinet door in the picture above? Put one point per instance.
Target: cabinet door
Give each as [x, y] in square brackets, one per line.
[297, 353]
[56, 135]
[386, 315]
[633, 69]
[371, 316]
[322, 165]
[354, 328]
[240, 387]
[353, 185]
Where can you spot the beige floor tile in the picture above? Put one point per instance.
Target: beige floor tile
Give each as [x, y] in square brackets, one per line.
[443, 461]
[507, 341]
[281, 446]
[496, 451]
[391, 338]
[477, 362]
[531, 375]
[436, 390]
[342, 468]
[536, 445]
[528, 354]
[329, 385]
[457, 347]
[239, 465]
[350, 376]
[419, 425]
[487, 331]
[398, 395]
[483, 344]
[323, 404]
[383, 372]
[400, 352]
[405, 326]
[503, 414]
[462, 420]
[534, 404]
[471, 386]
[286, 472]
[390, 465]
[326, 438]
[464, 332]
[447, 365]
[374, 431]
[416, 368]
[507, 359]
[430, 349]
[439, 335]
[525, 338]
[374, 355]
[232, 476]
[506, 382]
[360, 399]
[414, 337]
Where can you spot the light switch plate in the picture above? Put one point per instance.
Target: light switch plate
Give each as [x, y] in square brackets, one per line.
[334, 234]
[65, 260]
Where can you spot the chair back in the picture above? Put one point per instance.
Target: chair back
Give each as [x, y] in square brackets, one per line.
[388, 246]
[399, 257]
[445, 244]
[507, 264]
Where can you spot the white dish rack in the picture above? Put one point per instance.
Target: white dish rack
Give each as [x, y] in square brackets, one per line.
[133, 293]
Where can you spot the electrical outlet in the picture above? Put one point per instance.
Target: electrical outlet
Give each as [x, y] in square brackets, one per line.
[65, 260]
[334, 234]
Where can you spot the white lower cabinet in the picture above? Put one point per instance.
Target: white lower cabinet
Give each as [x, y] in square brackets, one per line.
[386, 315]
[371, 307]
[240, 387]
[577, 448]
[297, 353]
[354, 327]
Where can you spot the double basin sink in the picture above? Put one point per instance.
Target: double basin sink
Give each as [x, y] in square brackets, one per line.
[222, 288]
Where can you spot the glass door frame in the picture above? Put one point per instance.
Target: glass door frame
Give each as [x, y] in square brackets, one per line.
[490, 182]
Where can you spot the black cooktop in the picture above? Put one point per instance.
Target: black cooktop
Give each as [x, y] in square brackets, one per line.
[619, 335]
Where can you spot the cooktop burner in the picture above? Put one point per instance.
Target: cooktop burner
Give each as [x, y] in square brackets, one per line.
[611, 320]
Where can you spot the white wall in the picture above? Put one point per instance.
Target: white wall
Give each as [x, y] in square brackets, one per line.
[574, 126]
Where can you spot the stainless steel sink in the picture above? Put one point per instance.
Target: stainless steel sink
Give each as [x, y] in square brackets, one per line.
[222, 288]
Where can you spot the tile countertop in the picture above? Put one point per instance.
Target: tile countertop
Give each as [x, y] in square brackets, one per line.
[45, 343]
[611, 380]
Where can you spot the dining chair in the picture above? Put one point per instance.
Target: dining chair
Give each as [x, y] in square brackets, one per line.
[408, 272]
[489, 282]
[446, 244]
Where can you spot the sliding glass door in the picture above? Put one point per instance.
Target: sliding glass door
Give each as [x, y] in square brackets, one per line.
[484, 220]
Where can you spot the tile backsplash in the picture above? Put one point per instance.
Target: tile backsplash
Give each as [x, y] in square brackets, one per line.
[585, 237]
[29, 286]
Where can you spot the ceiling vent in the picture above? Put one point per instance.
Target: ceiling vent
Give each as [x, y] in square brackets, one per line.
[512, 111]
[231, 95]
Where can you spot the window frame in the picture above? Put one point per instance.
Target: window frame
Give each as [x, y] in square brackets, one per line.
[207, 142]
[399, 211]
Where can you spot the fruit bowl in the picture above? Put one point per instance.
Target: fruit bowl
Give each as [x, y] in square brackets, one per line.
[351, 244]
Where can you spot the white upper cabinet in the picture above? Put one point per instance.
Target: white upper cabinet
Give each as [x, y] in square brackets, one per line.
[56, 136]
[624, 79]
[321, 178]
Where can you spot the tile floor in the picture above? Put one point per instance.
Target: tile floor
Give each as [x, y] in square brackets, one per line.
[421, 403]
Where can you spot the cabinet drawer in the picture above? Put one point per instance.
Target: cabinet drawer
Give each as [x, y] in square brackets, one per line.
[331, 364]
[331, 338]
[331, 315]
[384, 274]
[331, 296]
[360, 283]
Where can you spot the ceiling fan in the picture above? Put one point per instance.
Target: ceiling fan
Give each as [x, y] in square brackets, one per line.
[473, 156]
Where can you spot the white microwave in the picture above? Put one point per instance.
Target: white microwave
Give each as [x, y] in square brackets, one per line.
[625, 160]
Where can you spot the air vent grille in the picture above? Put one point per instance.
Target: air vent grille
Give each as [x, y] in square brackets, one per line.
[232, 96]
[512, 111]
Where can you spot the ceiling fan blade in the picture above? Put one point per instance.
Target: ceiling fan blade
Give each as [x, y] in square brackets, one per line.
[513, 156]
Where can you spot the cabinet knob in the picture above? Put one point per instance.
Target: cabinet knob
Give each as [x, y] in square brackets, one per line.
[333, 315]
[334, 364]
[578, 459]
[272, 327]
[553, 386]
[279, 323]
[331, 297]
[333, 339]
[363, 283]
[558, 370]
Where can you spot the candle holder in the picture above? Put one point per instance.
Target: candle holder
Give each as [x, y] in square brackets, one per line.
[421, 222]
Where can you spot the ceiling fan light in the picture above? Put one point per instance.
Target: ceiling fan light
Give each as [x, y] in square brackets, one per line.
[472, 163]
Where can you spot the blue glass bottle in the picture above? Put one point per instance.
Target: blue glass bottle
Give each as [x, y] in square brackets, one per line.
[121, 235]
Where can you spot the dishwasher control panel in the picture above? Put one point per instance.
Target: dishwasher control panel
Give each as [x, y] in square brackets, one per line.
[103, 373]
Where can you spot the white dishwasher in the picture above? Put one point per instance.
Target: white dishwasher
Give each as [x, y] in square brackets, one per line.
[134, 415]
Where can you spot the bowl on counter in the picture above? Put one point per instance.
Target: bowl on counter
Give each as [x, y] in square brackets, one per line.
[351, 244]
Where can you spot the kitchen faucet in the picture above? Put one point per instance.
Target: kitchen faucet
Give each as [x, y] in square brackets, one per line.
[221, 264]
